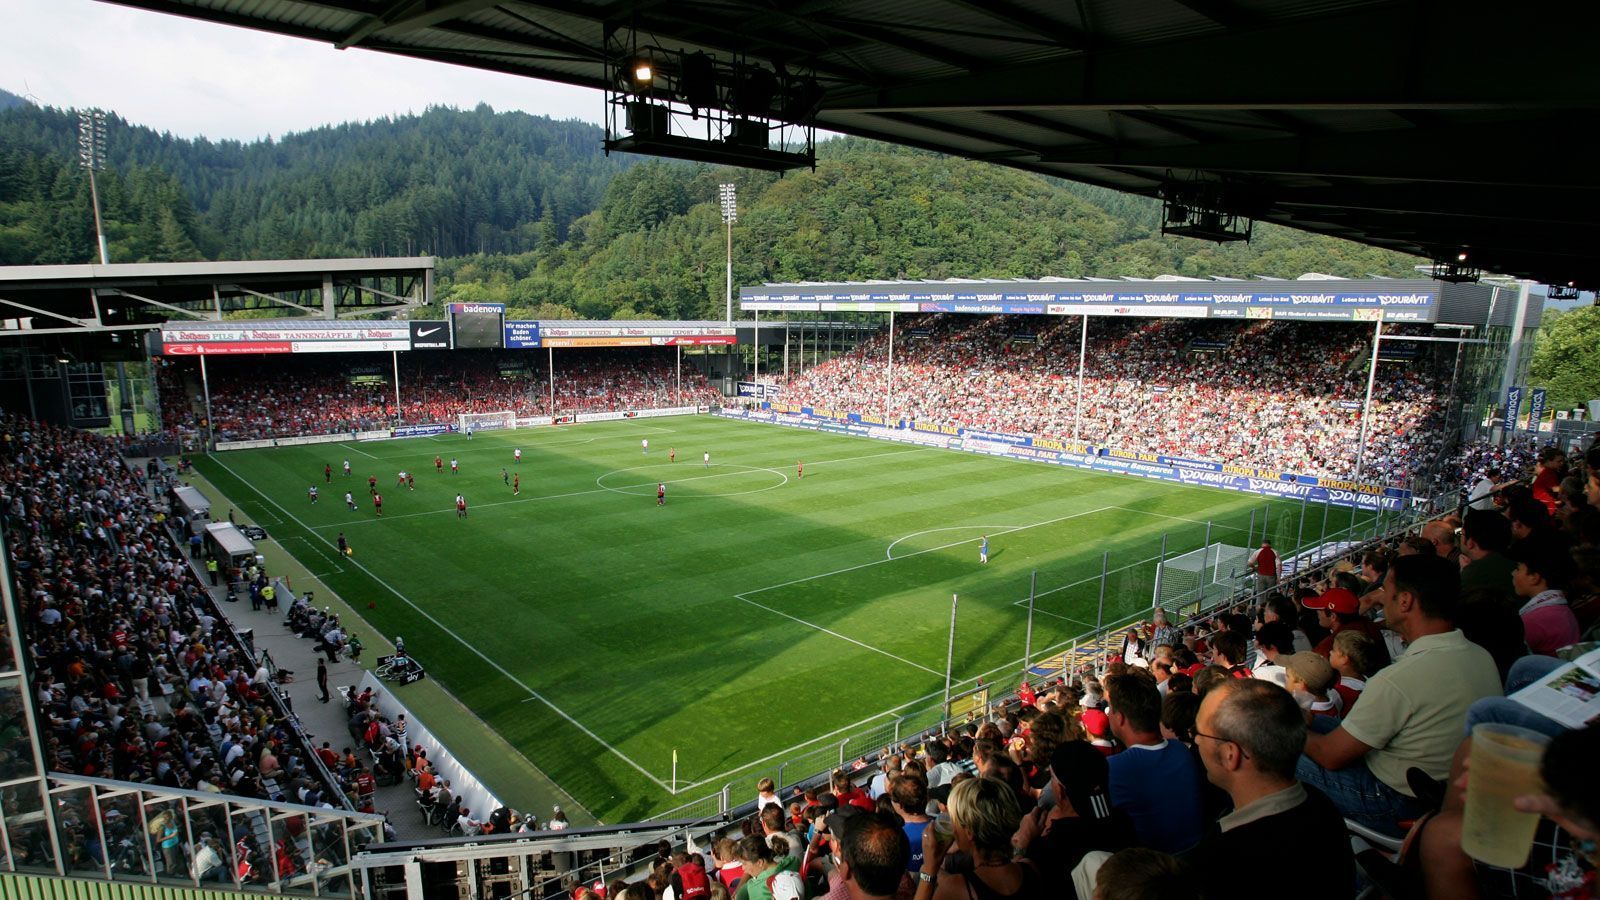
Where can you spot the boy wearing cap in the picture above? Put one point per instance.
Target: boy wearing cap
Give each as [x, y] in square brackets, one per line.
[1339, 610]
[1098, 725]
[1310, 678]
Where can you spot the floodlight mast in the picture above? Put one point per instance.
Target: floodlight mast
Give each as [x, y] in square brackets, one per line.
[92, 155]
[730, 214]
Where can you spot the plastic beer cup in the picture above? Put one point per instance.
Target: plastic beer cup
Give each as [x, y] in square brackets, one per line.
[1505, 766]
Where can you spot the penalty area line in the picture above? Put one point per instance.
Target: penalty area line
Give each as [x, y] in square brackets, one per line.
[744, 597]
[879, 562]
[862, 644]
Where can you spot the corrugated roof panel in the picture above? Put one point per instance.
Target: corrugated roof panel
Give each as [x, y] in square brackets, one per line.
[1117, 22]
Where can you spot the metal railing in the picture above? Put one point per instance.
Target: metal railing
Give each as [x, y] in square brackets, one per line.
[920, 719]
[122, 831]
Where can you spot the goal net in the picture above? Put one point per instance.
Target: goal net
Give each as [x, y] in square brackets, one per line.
[1200, 574]
[490, 421]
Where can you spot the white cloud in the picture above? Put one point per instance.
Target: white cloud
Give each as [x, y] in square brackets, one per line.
[195, 78]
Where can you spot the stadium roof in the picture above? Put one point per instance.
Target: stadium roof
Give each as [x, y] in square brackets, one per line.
[42, 299]
[1428, 129]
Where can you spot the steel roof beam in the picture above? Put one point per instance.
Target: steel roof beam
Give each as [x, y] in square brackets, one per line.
[1063, 34]
[1457, 155]
[1265, 68]
[406, 16]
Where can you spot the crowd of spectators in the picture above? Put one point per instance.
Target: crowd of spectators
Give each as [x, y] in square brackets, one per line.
[135, 672]
[1233, 753]
[1280, 395]
[298, 395]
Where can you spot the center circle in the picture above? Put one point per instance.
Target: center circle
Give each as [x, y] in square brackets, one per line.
[720, 480]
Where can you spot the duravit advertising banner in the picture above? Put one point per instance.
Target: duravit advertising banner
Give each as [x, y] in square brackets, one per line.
[1247, 479]
[1266, 302]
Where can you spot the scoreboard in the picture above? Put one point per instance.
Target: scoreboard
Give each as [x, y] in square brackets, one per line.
[478, 324]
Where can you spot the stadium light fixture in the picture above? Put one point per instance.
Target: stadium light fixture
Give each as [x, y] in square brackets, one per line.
[730, 213]
[92, 155]
[1455, 269]
[639, 74]
[1203, 209]
[710, 107]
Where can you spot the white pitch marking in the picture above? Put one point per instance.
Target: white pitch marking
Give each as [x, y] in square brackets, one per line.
[879, 562]
[836, 634]
[998, 529]
[474, 650]
[1214, 525]
[746, 599]
[616, 490]
[351, 446]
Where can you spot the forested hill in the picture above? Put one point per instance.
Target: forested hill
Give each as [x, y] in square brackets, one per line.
[527, 211]
[446, 182]
[655, 246]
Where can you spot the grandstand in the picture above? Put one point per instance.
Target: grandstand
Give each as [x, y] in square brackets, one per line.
[1122, 442]
[1277, 395]
[839, 577]
[323, 395]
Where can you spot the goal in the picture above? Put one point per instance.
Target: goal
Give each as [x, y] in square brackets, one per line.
[490, 421]
[1200, 575]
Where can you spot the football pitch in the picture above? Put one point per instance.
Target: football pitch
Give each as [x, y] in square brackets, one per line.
[755, 616]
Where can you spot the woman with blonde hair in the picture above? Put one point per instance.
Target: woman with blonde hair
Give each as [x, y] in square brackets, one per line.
[983, 816]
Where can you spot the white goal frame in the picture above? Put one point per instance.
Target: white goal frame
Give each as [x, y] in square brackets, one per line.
[1184, 578]
[503, 420]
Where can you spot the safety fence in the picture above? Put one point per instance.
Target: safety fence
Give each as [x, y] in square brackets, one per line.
[1310, 538]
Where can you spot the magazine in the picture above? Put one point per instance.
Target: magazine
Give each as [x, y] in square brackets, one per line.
[1569, 695]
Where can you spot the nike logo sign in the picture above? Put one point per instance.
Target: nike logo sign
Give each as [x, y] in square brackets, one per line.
[424, 332]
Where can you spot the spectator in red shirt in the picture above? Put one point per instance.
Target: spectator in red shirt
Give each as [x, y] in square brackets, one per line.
[1338, 610]
[845, 791]
[1264, 563]
[1547, 480]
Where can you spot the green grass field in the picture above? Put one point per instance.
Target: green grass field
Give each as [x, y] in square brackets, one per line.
[754, 614]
